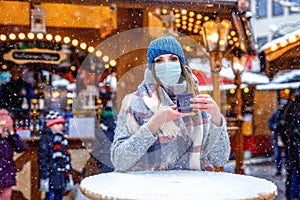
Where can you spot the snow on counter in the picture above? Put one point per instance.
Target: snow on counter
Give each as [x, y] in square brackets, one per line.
[165, 185]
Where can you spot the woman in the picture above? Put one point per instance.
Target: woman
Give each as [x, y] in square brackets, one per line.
[152, 135]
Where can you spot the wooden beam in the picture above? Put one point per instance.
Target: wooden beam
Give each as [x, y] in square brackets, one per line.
[59, 15]
[219, 5]
[273, 55]
[14, 13]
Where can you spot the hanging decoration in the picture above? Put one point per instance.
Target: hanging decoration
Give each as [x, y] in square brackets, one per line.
[37, 19]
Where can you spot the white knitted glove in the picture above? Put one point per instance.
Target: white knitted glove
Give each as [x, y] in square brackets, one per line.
[44, 185]
[70, 184]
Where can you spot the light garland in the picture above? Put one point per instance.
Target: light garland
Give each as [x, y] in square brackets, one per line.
[58, 38]
[191, 22]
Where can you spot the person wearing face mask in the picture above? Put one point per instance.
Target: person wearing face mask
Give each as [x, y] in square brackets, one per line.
[151, 134]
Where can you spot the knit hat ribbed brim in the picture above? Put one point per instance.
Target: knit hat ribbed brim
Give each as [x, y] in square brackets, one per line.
[165, 45]
[54, 118]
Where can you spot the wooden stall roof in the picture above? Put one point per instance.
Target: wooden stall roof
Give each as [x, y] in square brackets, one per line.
[143, 3]
[282, 53]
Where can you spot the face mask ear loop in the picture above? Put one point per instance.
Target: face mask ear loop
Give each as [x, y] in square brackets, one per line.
[156, 83]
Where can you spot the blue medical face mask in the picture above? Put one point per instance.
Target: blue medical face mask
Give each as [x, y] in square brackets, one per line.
[168, 72]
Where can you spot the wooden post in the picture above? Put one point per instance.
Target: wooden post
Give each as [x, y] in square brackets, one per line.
[239, 137]
[215, 66]
[35, 192]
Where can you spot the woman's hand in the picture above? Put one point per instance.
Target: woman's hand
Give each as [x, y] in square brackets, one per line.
[163, 115]
[206, 103]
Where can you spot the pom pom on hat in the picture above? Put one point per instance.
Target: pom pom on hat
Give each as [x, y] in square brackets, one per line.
[54, 118]
[164, 45]
[5, 120]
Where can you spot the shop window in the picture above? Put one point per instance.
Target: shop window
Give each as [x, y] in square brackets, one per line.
[277, 9]
[261, 9]
[261, 41]
[230, 106]
[231, 102]
[276, 35]
[294, 9]
[284, 93]
[248, 100]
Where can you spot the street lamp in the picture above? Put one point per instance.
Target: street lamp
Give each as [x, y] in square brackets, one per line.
[69, 104]
[215, 33]
[238, 65]
[34, 115]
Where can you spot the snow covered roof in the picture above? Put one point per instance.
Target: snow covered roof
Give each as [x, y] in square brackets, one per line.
[278, 47]
[288, 37]
[254, 78]
[270, 86]
[247, 76]
[287, 76]
[247, 79]
[278, 86]
[282, 80]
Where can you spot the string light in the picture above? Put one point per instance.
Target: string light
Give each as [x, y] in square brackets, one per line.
[40, 36]
[67, 40]
[91, 49]
[49, 37]
[2, 37]
[83, 45]
[75, 42]
[58, 38]
[21, 36]
[98, 53]
[30, 35]
[12, 36]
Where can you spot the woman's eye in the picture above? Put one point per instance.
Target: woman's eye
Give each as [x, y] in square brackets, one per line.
[174, 59]
[157, 61]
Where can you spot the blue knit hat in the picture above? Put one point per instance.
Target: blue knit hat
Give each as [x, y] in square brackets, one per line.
[54, 118]
[164, 45]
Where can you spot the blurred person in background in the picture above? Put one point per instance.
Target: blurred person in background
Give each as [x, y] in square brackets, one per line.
[16, 95]
[277, 143]
[54, 158]
[100, 161]
[289, 130]
[10, 142]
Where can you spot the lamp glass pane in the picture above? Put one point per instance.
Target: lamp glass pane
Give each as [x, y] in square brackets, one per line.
[225, 27]
[211, 34]
[239, 64]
